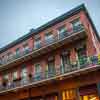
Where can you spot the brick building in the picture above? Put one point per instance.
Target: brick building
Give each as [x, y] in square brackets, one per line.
[58, 61]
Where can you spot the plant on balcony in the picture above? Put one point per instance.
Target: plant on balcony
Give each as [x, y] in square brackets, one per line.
[99, 59]
[94, 59]
[73, 64]
[82, 60]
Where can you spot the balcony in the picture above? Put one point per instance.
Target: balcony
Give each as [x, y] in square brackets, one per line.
[43, 47]
[85, 65]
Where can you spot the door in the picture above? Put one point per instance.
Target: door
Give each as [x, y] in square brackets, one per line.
[89, 92]
[37, 75]
[51, 68]
[65, 57]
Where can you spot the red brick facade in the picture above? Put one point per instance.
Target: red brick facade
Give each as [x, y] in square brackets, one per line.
[92, 48]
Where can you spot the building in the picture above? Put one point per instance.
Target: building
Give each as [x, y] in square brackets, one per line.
[58, 61]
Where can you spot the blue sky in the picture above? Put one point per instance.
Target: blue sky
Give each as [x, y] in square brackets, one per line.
[17, 17]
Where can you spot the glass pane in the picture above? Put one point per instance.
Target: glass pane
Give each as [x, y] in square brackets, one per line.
[37, 68]
[51, 66]
[82, 55]
[24, 72]
[14, 75]
[37, 43]
[76, 22]
[48, 35]
[69, 94]
[62, 29]
[89, 97]
[6, 76]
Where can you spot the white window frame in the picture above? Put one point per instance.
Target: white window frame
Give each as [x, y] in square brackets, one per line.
[39, 68]
[37, 41]
[15, 75]
[48, 35]
[24, 72]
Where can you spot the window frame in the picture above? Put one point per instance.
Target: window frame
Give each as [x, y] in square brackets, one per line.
[61, 27]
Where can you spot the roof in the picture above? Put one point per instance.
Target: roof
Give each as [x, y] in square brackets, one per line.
[49, 24]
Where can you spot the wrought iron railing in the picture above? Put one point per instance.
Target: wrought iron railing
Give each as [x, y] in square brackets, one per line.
[89, 62]
[55, 38]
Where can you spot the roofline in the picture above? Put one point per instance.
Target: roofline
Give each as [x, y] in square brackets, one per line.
[49, 24]
[92, 24]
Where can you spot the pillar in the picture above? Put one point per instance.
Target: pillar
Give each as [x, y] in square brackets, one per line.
[58, 63]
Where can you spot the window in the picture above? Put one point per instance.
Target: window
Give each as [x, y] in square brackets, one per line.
[76, 24]
[4, 59]
[51, 66]
[62, 31]
[49, 37]
[65, 59]
[6, 77]
[17, 52]
[37, 68]
[10, 55]
[24, 72]
[26, 48]
[37, 43]
[14, 75]
[69, 94]
[82, 55]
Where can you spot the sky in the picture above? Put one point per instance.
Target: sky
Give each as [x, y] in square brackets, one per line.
[17, 17]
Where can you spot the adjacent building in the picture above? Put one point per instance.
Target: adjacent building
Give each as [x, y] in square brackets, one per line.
[58, 61]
